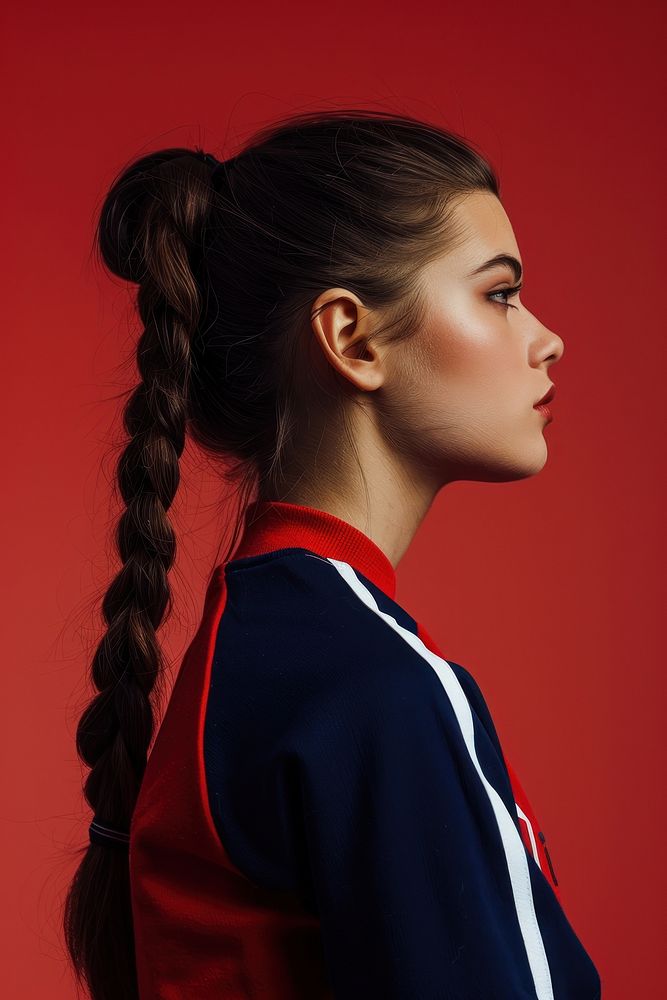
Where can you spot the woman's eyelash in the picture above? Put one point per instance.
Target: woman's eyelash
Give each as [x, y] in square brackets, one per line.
[509, 292]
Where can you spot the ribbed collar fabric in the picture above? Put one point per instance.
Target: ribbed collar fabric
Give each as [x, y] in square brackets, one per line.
[276, 524]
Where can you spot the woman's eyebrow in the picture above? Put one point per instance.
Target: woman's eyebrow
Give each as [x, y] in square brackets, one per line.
[502, 258]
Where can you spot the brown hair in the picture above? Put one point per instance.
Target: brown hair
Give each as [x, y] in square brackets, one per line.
[227, 266]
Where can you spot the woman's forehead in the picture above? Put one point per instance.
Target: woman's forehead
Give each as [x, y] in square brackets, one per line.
[486, 235]
[484, 245]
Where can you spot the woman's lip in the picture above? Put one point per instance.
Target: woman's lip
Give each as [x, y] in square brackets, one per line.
[547, 397]
[544, 410]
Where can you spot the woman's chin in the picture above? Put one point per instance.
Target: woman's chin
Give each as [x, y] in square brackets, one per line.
[516, 464]
[535, 458]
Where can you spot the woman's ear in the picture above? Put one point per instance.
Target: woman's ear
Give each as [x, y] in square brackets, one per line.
[343, 325]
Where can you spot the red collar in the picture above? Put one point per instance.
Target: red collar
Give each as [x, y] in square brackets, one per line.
[275, 524]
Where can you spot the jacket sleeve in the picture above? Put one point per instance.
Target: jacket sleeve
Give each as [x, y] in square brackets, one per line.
[407, 855]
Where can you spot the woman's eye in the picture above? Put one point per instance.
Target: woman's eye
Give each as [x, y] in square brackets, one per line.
[508, 293]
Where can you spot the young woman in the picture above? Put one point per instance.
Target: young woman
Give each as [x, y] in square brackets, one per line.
[326, 810]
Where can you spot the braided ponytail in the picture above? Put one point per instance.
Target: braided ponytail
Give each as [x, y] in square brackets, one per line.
[150, 231]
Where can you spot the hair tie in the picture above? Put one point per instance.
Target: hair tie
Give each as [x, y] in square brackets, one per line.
[100, 833]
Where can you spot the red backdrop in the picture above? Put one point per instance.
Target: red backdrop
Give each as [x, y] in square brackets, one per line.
[546, 589]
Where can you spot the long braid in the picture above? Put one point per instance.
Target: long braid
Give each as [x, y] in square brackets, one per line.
[115, 730]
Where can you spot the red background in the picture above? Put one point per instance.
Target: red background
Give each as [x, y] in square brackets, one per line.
[547, 589]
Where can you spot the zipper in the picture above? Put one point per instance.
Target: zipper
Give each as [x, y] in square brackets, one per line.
[544, 845]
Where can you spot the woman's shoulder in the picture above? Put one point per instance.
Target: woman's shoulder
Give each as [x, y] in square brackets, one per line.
[305, 634]
[293, 594]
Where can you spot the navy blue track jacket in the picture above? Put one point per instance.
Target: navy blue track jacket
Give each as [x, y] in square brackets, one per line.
[327, 811]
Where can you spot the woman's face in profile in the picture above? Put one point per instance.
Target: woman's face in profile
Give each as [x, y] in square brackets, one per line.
[480, 361]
